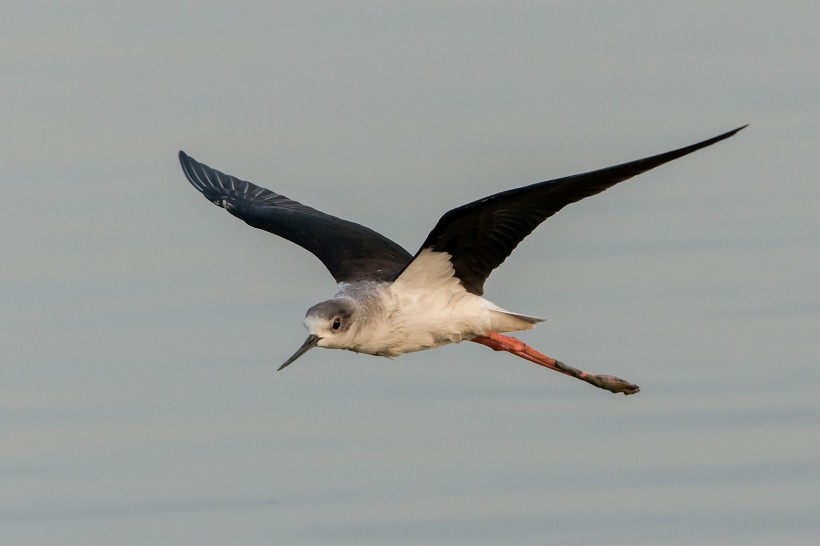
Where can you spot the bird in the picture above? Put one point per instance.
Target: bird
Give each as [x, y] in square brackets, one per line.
[389, 302]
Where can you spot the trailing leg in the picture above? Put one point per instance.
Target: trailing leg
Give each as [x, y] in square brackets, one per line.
[499, 342]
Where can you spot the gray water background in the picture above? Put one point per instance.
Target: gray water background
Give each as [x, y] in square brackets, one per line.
[142, 326]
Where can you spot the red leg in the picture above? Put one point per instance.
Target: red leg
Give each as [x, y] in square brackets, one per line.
[499, 342]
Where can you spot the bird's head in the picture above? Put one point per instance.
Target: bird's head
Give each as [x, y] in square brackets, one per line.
[330, 320]
[328, 323]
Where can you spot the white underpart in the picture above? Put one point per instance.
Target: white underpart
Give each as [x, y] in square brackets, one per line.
[427, 307]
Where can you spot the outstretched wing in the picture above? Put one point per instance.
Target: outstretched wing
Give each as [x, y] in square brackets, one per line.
[350, 252]
[480, 235]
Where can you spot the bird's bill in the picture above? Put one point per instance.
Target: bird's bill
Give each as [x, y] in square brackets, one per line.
[310, 343]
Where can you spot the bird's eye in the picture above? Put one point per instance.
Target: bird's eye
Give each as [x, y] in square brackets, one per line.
[337, 322]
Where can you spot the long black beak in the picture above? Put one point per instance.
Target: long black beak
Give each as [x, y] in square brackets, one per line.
[309, 344]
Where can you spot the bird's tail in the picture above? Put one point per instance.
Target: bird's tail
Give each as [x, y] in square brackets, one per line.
[507, 321]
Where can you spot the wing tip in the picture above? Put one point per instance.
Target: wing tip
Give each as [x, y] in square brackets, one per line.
[708, 142]
[197, 175]
[735, 131]
[184, 159]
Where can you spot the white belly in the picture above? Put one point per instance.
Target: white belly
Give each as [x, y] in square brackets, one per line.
[427, 307]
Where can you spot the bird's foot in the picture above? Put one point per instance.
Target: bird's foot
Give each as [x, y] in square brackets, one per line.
[610, 383]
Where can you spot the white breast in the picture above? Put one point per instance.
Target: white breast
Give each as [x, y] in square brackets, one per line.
[427, 307]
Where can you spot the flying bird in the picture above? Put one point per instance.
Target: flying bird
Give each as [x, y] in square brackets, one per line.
[389, 302]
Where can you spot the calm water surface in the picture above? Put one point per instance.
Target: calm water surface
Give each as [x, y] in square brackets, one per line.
[141, 326]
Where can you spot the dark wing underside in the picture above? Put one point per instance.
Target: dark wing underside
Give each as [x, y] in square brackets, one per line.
[350, 252]
[480, 235]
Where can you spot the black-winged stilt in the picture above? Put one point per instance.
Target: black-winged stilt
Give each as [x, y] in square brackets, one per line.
[388, 302]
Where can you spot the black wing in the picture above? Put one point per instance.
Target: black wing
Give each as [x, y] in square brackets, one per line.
[480, 235]
[350, 252]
